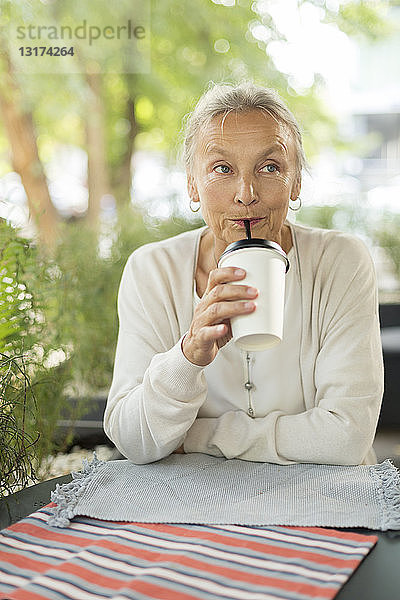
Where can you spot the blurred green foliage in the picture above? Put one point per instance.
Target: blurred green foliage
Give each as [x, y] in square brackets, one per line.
[318, 216]
[387, 235]
[16, 300]
[366, 18]
[380, 230]
[186, 53]
[344, 217]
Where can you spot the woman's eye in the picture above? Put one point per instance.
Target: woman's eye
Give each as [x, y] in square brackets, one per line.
[270, 168]
[223, 167]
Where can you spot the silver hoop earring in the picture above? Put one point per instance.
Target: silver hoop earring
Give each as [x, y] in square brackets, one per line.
[194, 209]
[298, 207]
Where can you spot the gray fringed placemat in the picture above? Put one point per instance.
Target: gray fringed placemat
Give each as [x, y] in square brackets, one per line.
[202, 489]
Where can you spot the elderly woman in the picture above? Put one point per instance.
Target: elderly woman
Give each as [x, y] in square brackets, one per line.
[179, 379]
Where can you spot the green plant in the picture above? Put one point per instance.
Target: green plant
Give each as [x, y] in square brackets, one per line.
[31, 391]
[17, 401]
[17, 310]
[17, 444]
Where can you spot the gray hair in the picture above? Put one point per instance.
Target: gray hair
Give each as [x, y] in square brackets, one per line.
[222, 98]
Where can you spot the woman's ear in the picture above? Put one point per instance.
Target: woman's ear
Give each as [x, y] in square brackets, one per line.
[296, 188]
[192, 188]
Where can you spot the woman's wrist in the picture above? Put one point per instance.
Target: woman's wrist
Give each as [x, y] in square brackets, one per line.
[189, 355]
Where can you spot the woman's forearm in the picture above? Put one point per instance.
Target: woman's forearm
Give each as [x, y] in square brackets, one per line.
[149, 420]
[332, 433]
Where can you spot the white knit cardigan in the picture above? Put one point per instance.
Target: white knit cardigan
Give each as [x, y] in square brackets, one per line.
[156, 392]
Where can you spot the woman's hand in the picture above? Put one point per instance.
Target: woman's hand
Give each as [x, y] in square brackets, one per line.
[210, 329]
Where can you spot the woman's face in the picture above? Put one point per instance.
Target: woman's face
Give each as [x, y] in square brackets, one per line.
[244, 168]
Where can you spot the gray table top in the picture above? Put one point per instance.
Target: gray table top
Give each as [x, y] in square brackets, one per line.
[377, 578]
[21, 504]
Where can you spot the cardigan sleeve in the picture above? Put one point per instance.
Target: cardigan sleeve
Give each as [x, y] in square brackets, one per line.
[347, 374]
[156, 392]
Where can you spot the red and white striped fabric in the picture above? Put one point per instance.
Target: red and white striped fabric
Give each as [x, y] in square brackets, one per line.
[95, 559]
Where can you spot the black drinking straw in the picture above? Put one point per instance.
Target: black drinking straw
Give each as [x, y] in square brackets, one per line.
[248, 230]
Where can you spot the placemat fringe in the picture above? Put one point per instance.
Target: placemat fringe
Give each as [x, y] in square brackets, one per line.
[66, 496]
[388, 480]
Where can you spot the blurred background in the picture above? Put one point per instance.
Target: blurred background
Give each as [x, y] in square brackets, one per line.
[90, 169]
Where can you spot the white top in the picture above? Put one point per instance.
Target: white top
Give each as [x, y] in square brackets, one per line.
[158, 399]
[275, 373]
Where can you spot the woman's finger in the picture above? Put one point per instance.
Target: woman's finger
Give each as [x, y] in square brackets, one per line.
[229, 291]
[221, 311]
[224, 275]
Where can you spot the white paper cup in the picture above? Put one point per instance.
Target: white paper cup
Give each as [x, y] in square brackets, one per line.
[266, 265]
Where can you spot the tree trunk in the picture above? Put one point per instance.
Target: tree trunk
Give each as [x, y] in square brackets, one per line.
[25, 156]
[122, 180]
[98, 178]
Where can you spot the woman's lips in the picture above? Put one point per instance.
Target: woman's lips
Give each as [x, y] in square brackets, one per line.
[240, 222]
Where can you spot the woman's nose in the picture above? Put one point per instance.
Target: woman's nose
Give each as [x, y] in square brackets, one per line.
[246, 193]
